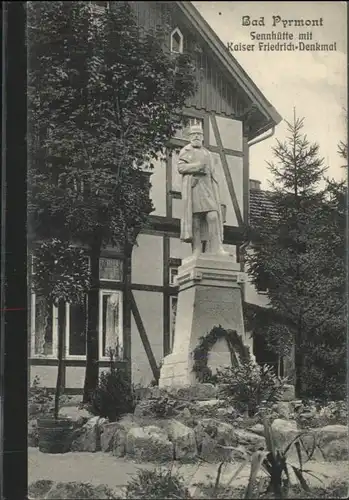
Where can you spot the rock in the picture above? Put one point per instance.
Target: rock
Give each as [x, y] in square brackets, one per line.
[222, 390]
[107, 434]
[193, 392]
[183, 439]
[284, 431]
[336, 450]
[119, 438]
[144, 408]
[87, 438]
[185, 413]
[296, 404]
[251, 441]
[208, 403]
[211, 434]
[156, 392]
[257, 429]
[283, 409]
[228, 412]
[33, 433]
[149, 444]
[308, 413]
[332, 433]
[79, 416]
[288, 393]
[157, 408]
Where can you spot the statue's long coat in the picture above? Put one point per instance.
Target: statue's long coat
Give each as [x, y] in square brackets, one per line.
[188, 155]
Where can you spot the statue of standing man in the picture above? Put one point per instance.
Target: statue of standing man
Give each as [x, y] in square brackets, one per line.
[202, 221]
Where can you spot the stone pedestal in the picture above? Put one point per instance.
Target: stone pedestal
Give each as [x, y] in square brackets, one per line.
[209, 295]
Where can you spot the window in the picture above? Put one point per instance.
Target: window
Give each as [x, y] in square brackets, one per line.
[173, 311]
[76, 329]
[98, 6]
[176, 41]
[110, 269]
[110, 322]
[44, 318]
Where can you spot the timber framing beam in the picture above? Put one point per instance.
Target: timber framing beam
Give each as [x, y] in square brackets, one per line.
[165, 225]
[226, 170]
[144, 338]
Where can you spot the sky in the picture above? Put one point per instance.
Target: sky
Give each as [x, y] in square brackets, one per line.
[312, 83]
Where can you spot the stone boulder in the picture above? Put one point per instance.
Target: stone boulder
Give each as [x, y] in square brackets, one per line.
[79, 416]
[257, 429]
[227, 412]
[284, 431]
[288, 393]
[249, 440]
[149, 444]
[283, 409]
[337, 450]
[87, 437]
[194, 392]
[107, 436]
[332, 433]
[117, 439]
[215, 439]
[183, 439]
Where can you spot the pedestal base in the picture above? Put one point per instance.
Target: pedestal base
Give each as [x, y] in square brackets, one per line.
[209, 296]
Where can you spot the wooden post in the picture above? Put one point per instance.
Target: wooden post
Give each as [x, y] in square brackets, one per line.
[60, 373]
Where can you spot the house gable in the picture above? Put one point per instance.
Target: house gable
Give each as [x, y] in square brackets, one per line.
[224, 87]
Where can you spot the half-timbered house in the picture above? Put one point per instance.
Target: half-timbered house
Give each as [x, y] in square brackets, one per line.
[137, 291]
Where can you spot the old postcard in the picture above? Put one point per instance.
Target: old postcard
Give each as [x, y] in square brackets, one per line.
[187, 187]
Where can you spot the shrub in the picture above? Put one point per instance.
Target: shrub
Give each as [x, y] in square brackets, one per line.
[249, 385]
[114, 395]
[40, 400]
[71, 490]
[157, 484]
[163, 407]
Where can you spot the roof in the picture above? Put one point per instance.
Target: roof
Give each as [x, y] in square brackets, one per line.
[224, 56]
[260, 203]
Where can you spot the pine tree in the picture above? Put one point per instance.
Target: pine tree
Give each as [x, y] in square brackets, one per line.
[298, 251]
[104, 96]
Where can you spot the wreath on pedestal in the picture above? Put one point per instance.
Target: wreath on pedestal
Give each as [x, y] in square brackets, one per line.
[238, 351]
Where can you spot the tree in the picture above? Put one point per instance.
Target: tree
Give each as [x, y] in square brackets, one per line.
[292, 257]
[61, 276]
[104, 99]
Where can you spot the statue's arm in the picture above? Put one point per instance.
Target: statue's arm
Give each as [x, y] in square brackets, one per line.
[190, 168]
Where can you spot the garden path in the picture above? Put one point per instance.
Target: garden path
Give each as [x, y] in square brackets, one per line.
[102, 468]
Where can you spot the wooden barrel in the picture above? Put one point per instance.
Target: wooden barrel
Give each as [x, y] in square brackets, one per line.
[54, 435]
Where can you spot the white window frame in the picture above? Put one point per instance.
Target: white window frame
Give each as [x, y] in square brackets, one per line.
[108, 279]
[177, 31]
[33, 354]
[102, 292]
[67, 334]
[98, 8]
